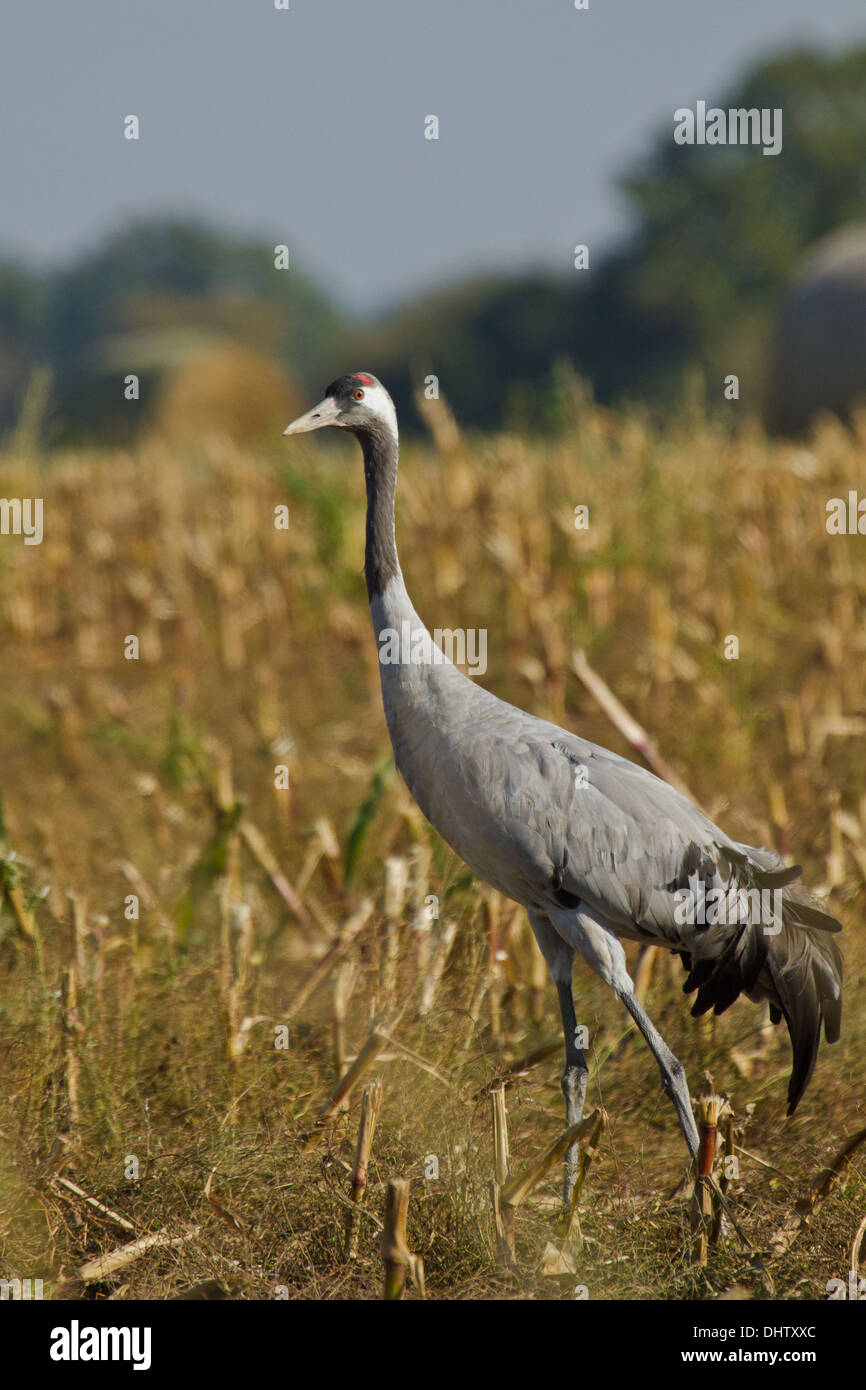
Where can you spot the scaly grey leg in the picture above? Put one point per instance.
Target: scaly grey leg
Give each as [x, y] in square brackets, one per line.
[560, 959]
[673, 1072]
[574, 1081]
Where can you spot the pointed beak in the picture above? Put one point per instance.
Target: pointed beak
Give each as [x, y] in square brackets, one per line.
[327, 412]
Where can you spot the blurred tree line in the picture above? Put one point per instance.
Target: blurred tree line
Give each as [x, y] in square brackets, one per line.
[219, 338]
[159, 300]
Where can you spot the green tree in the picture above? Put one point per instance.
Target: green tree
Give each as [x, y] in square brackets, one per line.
[721, 228]
[153, 297]
[718, 231]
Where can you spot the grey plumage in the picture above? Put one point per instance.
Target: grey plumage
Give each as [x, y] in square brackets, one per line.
[593, 846]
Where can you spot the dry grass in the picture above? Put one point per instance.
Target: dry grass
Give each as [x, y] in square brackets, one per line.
[143, 777]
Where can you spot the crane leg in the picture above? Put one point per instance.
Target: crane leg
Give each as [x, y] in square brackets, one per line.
[560, 960]
[574, 1080]
[602, 950]
[673, 1072]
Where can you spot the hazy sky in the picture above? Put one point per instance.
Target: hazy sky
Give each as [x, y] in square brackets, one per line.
[307, 126]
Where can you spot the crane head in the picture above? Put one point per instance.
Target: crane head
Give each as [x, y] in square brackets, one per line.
[356, 402]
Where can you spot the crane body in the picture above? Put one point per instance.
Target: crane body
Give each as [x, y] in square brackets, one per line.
[594, 847]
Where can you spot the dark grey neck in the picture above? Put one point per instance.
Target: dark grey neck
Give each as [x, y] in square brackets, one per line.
[380, 472]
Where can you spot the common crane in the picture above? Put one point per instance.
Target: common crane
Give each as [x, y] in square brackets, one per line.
[594, 847]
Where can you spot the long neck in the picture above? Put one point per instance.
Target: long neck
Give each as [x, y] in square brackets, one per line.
[380, 472]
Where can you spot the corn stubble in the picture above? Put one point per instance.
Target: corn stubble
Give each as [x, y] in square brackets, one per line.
[285, 982]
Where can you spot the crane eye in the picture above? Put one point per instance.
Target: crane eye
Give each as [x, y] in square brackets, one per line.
[359, 394]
